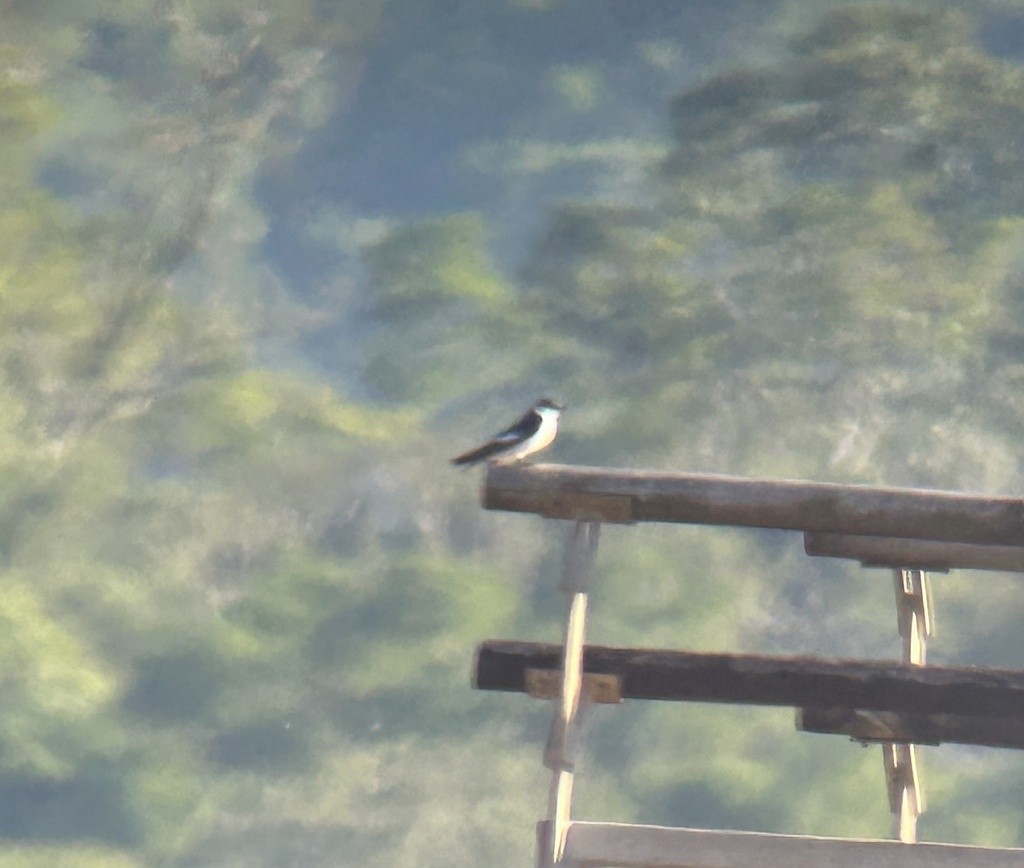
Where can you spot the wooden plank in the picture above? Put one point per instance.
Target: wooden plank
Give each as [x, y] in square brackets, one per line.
[614, 845]
[749, 679]
[599, 689]
[913, 554]
[887, 726]
[601, 494]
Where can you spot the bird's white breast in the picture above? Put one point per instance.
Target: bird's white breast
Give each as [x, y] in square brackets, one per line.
[544, 436]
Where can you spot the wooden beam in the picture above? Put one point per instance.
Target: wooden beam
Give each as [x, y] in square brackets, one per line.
[601, 494]
[614, 845]
[749, 679]
[903, 728]
[915, 554]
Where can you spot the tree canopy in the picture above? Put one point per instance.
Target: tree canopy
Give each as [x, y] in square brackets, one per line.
[265, 267]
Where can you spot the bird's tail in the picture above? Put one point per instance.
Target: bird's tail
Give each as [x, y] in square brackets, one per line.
[478, 454]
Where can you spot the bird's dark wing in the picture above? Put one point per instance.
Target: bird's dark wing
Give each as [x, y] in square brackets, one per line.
[491, 447]
[516, 433]
[525, 427]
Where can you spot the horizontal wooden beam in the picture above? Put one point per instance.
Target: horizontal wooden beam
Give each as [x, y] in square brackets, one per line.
[614, 845]
[601, 494]
[750, 679]
[915, 554]
[888, 726]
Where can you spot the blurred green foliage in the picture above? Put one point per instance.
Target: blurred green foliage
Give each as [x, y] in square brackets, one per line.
[241, 586]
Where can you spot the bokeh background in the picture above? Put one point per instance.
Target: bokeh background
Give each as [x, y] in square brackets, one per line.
[265, 265]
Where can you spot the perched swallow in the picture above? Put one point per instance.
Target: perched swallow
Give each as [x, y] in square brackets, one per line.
[535, 431]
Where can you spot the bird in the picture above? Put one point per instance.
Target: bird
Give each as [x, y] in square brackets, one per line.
[536, 430]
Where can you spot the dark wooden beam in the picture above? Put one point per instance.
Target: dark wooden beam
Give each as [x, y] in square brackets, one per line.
[888, 726]
[915, 554]
[601, 494]
[749, 679]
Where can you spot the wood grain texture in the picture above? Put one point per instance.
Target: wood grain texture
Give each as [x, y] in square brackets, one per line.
[602, 494]
[750, 679]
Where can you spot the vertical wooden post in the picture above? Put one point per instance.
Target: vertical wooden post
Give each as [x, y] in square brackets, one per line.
[914, 619]
[563, 740]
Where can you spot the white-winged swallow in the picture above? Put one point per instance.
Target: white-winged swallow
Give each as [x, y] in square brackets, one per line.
[536, 430]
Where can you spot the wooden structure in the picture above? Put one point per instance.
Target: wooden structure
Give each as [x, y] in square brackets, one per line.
[754, 679]
[896, 705]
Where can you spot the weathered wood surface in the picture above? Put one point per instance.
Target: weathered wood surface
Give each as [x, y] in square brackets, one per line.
[601, 494]
[915, 554]
[613, 845]
[762, 680]
[904, 728]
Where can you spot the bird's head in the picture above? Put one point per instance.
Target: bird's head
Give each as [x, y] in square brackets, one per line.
[548, 404]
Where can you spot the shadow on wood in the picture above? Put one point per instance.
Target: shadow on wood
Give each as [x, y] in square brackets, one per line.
[914, 554]
[906, 728]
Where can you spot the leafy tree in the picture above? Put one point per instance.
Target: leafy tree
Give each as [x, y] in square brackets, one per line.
[239, 602]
